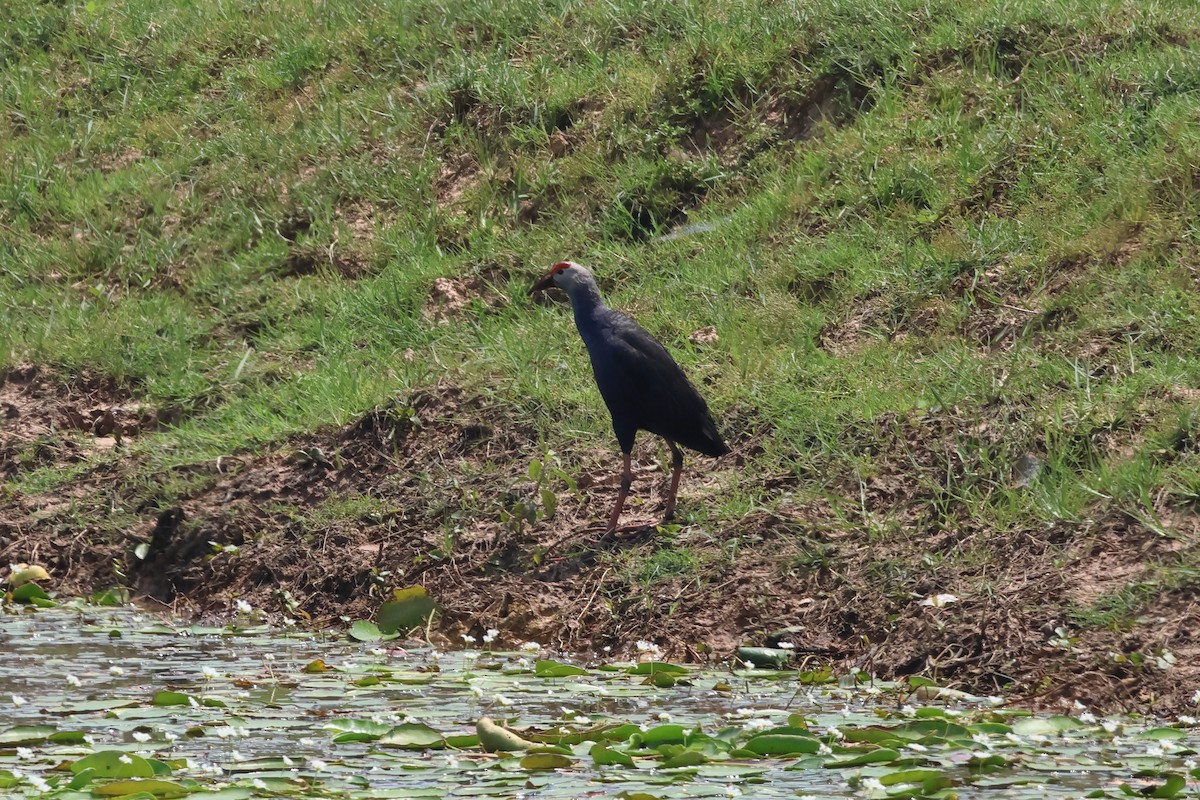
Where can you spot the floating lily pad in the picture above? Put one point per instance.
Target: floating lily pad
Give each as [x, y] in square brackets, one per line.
[764, 656]
[408, 609]
[114, 764]
[156, 788]
[547, 668]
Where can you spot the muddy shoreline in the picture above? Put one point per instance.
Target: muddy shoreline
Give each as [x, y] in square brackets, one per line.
[321, 528]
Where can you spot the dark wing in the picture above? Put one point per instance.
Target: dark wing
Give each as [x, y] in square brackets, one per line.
[646, 389]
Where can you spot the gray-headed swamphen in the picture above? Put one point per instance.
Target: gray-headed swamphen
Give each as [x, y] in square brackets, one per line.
[641, 384]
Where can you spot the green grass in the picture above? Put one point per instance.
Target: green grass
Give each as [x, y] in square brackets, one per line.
[934, 236]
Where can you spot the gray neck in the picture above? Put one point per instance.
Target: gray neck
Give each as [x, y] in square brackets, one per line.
[588, 305]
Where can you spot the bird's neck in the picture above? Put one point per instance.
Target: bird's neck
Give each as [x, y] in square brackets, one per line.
[587, 304]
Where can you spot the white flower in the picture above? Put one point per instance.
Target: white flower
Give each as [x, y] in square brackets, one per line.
[468, 638]
[115, 670]
[318, 764]
[125, 759]
[502, 700]
[663, 716]
[491, 635]
[170, 737]
[18, 701]
[24, 752]
[732, 791]
[531, 647]
[73, 681]
[824, 749]
[1110, 726]
[289, 622]
[524, 663]
[243, 607]
[920, 748]
[287, 762]
[786, 646]
[1196, 697]
[873, 787]
[141, 736]
[757, 724]
[1185, 719]
[1087, 718]
[835, 733]
[210, 673]
[648, 647]
[982, 739]
[236, 755]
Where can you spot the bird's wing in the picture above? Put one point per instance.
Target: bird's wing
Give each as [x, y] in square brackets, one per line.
[643, 380]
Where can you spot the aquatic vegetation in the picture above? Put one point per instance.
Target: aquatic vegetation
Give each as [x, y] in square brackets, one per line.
[110, 702]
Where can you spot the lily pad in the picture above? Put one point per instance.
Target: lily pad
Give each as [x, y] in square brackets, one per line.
[548, 668]
[157, 788]
[408, 609]
[764, 656]
[114, 764]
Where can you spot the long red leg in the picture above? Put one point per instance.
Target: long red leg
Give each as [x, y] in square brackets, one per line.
[626, 482]
[676, 471]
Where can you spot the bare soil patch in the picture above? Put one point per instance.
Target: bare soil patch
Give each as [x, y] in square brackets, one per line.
[47, 423]
[421, 491]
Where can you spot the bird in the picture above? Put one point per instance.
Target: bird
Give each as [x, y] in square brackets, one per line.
[642, 385]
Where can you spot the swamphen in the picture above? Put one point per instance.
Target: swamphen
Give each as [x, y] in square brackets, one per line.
[641, 384]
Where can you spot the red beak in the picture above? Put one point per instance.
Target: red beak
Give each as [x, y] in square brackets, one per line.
[547, 280]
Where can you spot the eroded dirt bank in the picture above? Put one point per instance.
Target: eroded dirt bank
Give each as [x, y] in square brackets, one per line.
[417, 493]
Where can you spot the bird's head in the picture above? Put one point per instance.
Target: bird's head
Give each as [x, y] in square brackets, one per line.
[566, 275]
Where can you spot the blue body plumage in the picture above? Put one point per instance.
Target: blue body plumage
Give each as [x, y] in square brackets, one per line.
[642, 385]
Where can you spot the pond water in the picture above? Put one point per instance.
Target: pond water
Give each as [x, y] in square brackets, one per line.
[108, 702]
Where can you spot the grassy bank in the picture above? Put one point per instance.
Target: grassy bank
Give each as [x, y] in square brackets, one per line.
[949, 250]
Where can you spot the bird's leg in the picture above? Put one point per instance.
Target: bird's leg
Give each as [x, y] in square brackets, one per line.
[626, 482]
[676, 471]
